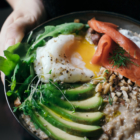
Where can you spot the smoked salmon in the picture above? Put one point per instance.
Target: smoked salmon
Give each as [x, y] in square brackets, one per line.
[111, 38]
[111, 30]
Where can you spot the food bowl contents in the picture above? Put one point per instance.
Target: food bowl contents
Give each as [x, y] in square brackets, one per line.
[77, 81]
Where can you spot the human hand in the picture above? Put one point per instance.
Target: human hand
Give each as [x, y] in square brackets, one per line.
[26, 15]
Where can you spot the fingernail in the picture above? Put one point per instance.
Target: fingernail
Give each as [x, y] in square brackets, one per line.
[10, 42]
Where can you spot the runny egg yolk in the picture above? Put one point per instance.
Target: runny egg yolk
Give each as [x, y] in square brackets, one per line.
[86, 51]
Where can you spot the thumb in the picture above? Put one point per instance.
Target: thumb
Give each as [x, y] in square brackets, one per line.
[16, 31]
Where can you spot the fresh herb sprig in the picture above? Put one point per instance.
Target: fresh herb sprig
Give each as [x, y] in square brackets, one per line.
[110, 100]
[107, 71]
[120, 58]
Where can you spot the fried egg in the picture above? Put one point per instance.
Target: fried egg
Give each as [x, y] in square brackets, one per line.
[68, 58]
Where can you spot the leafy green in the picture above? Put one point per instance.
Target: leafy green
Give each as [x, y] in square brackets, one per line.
[21, 72]
[13, 78]
[23, 87]
[30, 58]
[14, 54]
[7, 65]
[15, 109]
[54, 31]
[9, 93]
[13, 48]
[13, 57]
[20, 49]
[32, 71]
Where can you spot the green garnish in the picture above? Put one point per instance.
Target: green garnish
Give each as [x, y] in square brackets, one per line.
[15, 109]
[120, 58]
[50, 72]
[106, 71]
[110, 100]
[104, 79]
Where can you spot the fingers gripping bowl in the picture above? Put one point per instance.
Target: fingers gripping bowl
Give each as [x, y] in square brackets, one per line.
[75, 110]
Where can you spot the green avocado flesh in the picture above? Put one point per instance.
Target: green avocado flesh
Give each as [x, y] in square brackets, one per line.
[51, 130]
[90, 104]
[79, 92]
[69, 126]
[93, 103]
[66, 120]
[80, 117]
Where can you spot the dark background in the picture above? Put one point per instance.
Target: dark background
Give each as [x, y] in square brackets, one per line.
[9, 128]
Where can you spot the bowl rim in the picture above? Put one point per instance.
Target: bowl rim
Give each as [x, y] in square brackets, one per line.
[91, 11]
[113, 14]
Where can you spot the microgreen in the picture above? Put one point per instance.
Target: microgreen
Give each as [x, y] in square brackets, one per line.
[29, 37]
[73, 111]
[104, 79]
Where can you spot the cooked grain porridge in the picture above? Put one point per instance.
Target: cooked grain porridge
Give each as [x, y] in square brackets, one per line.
[123, 116]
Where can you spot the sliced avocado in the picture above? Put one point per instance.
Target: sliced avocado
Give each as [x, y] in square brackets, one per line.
[79, 93]
[83, 91]
[80, 117]
[69, 126]
[51, 130]
[90, 104]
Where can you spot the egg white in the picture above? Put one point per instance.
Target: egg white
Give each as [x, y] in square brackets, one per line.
[53, 57]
